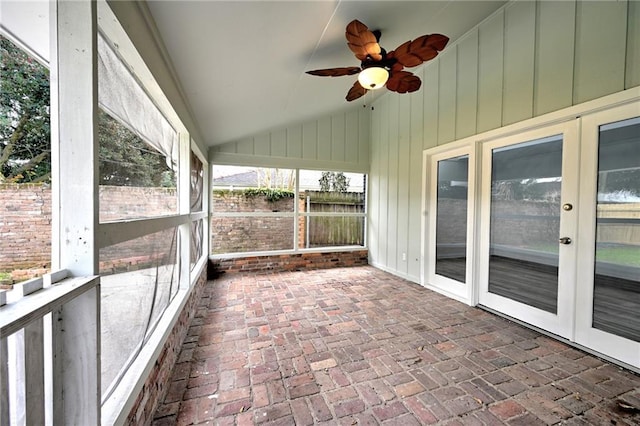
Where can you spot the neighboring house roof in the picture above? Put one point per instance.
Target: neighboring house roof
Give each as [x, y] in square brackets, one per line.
[245, 180]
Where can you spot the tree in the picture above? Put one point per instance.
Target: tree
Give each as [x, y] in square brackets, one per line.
[275, 178]
[126, 160]
[340, 182]
[25, 135]
[332, 181]
[325, 181]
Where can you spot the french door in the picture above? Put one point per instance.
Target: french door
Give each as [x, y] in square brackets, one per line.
[608, 268]
[528, 227]
[550, 234]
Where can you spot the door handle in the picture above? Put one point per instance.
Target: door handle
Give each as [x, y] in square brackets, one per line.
[564, 240]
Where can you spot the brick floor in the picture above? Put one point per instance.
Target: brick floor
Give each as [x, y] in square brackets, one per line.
[357, 346]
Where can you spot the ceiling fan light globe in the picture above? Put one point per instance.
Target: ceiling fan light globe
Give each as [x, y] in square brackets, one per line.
[373, 78]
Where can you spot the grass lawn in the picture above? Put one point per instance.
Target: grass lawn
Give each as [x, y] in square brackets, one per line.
[621, 254]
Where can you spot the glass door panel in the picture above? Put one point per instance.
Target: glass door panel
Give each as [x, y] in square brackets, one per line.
[451, 218]
[526, 183]
[528, 225]
[608, 265]
[450, 222]
[616, 295]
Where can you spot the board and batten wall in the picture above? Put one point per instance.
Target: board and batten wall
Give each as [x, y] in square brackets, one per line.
[527, 59]
[338, 142]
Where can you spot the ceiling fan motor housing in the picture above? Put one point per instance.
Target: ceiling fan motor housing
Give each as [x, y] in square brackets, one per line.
[385, 62]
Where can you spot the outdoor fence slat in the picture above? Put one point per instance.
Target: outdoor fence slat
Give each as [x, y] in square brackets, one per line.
[336, 230]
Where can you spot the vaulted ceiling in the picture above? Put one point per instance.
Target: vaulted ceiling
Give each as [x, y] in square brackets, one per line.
[242, 64]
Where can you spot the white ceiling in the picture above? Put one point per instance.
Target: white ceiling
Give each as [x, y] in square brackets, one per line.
[242, 63]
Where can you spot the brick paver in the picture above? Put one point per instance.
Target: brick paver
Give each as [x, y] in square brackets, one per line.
[356, 346]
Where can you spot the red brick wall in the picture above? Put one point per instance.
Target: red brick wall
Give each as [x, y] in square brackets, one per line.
[127, 202]
[25, 226]
[525, 223]
[242, 234]
[252, 234]
[516, 223]
[247, 234]
[159, 248]
[157, 383]
[25, 222]
[294, 262]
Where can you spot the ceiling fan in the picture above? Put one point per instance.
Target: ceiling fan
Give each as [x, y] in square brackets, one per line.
[378, 66]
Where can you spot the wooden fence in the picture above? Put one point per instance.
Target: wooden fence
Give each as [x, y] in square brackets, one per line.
[344, 223]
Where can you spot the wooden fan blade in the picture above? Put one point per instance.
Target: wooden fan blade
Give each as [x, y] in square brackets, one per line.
[362, 42]
[396, 67]
[404, 82]
[335, 72]
[356, 91]
[422, 49]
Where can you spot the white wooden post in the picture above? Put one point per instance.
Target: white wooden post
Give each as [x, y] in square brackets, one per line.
[74, 106]
[206, 205]
[184, 206]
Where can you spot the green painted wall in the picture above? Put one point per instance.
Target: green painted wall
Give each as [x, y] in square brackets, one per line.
[336, 142]
[526, 60]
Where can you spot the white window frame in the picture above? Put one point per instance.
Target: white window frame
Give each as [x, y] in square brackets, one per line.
[296, 215]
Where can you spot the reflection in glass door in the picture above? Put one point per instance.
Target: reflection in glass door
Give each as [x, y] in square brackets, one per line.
[451, 218]
[616, 297]
[450, 222]
[608, 281]
[526, 183]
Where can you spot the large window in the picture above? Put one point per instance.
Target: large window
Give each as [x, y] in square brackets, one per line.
[25, 166]
[139, 278]
[197, 206]
[136, 180]
[140, 178]
[332, 209]
[125, 205]
[266, 209]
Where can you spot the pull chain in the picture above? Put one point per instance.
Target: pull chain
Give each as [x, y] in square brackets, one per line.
[364, 100]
